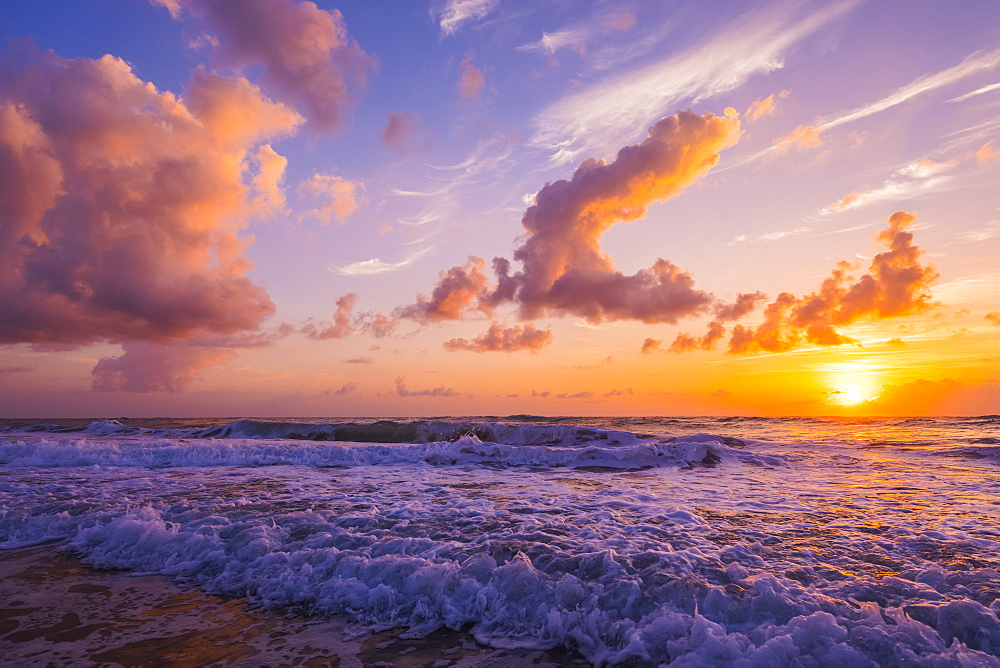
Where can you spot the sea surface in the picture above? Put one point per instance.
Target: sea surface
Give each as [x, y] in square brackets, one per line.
[635, 541]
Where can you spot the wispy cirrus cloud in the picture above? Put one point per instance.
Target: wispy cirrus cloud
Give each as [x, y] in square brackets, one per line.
[451, 14]
[597, 119]
[375, 265]
[979, 91]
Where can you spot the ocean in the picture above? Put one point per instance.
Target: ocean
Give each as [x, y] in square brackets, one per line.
[625, 541]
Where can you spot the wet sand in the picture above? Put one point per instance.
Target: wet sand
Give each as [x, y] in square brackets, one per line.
[55, 610]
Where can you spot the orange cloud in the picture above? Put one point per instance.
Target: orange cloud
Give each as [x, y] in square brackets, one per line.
[342, 320]
[896, 284]
[986, 154]
[453, 296]
[802, 138]
[470, 78]
[686, 343]
[765, 107]
[504, 339]
[307, 56]
[269, 198]
[336, 197]
[994, 318]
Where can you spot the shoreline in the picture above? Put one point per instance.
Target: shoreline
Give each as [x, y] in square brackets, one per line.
[59, 610]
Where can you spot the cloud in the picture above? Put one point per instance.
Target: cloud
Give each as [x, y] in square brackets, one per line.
[767, 106]
[587, 394]
[11, 370]
[347, 388]
[342, 321]
[336, 197]
[400, 134]
[979, 91]
[619, 393]
[151, 367]
[994, 318]
[268, 185]
[908, 181]
[470, 78]
[360, 360]
[650, 344]
[504, 339]
[745, 304]
[896, 284]
[306, 54]
[603, 116]
[453, 296]
[451, 14]
[987, 154]
[807, 136]
[564, 271]
[123, 204]
[376, 265]
[440, 391]
[686, 343]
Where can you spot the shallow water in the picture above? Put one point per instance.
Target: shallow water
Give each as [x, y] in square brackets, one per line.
[744, 541]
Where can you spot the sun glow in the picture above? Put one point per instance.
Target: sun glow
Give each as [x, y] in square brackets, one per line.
[854, 383]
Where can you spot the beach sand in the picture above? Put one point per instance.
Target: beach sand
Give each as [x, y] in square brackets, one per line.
[55, 610]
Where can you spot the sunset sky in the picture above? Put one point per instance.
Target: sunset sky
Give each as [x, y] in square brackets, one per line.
[490, 207]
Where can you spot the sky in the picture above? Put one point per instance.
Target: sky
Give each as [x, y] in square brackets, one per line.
[498, 207]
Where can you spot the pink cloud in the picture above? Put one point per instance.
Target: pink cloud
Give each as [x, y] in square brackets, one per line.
[150, 367]
[564, 272]
[307, 56]
[470, 78]
[11, 370]
[745, 304]
[504, 339]
[896, 284]
[123, 204]
[342, 321]
[401, 134]
[650, 344]
[440, 391]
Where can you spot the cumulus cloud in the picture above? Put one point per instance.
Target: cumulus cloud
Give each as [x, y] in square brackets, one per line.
[451, 14]
[306, 54]
[504, 339]
[342, 324]
[745, 303]
[439, 391]
[151, 367]
[650, 344]
[335, 197]
[586, 394]
[470, 78]
[122, 205]
[268, 185]
[459, 290]
[896, 284]
[563, 270]
[686, 343]
[345, 322]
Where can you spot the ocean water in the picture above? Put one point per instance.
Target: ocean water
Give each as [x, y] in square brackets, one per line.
[635, 541]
